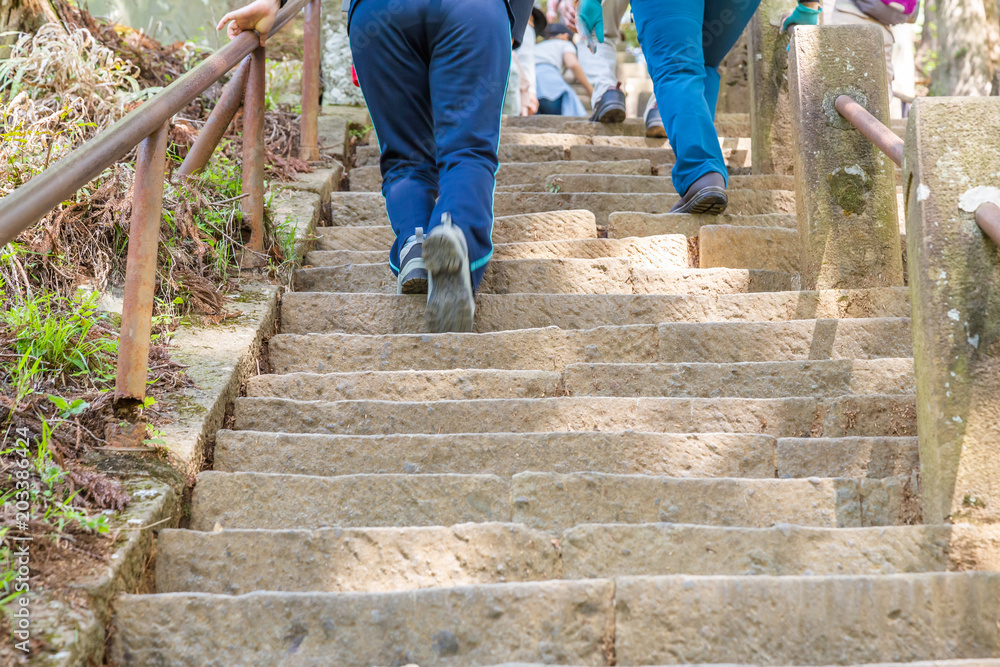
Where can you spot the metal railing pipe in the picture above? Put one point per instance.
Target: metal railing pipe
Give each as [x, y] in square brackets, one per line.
[29, 203]
[870, 126]
[217, 124]
[140, 271]
[311, 54]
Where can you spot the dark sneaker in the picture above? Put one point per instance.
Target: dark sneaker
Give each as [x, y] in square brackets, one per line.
[707, 195]
[610, 108]
[451, 304]
[654, 125]
[412, 277]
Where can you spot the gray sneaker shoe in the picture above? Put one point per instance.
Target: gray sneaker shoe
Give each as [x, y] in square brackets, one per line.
[706, 196]
[451, 304]
[412, 277]
[654, 124]
[610, 107]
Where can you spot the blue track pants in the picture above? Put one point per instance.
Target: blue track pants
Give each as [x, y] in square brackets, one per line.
[434, 75]
[684, 42]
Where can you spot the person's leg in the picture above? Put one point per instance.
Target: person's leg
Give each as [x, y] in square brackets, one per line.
[671, 37]
[601, 68]
[725, 21]
[392, 69]
[468, 77]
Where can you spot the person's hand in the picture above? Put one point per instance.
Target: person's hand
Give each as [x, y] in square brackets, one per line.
[529, 105]
[258, 15]
[569, 15]
[803, 15]
[590, 19]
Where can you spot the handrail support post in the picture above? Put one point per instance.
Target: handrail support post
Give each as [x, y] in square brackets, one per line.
[253, 160]
[309, 123]
[140, 272]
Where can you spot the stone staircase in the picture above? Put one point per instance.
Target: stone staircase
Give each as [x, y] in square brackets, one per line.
[654, 450]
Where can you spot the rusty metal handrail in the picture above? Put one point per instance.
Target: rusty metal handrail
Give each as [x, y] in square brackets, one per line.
[146, 127]
[870, 126]
[987, 215]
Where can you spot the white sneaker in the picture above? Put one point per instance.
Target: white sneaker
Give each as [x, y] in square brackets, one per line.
[451, 304]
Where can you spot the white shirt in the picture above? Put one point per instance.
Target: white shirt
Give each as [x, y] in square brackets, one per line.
[551, 52]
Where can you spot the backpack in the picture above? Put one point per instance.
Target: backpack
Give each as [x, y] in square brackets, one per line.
[890, 12]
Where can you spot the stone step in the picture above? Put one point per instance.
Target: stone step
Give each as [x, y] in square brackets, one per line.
[363, 209]
[544, 501]
[553, 349]
[562, 276]
[636, 620]
[567, 140]
[736, 153]
[532, 227]
[726, 125]
[331, 312]
[744, 247]
[723, 342]
[806, 620]
[475, 625]
[369, 179]
[848, 457]
[368, 156]
[412, 385]
[369, 560]
[506, 454]
[984, 662]
[853, 415]
[627, 224]
[600, 182]
[651, 252]
[773, 379]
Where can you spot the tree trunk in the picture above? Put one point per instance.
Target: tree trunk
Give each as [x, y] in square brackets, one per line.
[965, 38]
[22, 16]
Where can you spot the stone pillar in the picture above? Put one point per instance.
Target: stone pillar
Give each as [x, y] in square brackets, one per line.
[338, 86]
[734, 93]
[845, 187]
[952, 165]
[770, 126]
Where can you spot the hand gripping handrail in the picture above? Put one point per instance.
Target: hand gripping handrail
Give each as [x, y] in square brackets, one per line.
[146, 127]
[987, 215]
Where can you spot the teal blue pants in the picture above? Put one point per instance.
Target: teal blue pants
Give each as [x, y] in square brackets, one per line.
[684, 42]
[434, 76]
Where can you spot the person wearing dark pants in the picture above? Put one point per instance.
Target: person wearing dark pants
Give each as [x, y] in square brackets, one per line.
[434, 75]
[684, 42]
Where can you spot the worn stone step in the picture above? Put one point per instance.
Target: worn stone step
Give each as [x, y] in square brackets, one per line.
[548, 349]
[505, 454]
[613, 550]
[552, 349]
[504, 276]
[651, 252]
[565, 276]
[730, 342]
[985, 662]
[545, 501]
[368, 156]
[743, 247]
[368, 560]
[736, 153]
[805, 620]
[330, 312]
[848, 457]
[369, 179]
[627, 224]
[365, 209]
[726, 124]
[854, 415]
[601, 182]
[532, 227]
[416, 385]
[773, 379]
[567, 140]
[473, 625]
